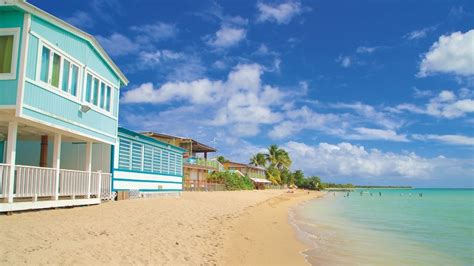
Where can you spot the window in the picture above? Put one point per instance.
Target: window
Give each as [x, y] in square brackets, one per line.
[138, 156]
[88, 88]
[74, 79]
[102, 95]
[8, 52]
[66, 68]
[58, 71]
[98, 92]
[107, 99]
[95, 97]
[45, 55]
[55, 70]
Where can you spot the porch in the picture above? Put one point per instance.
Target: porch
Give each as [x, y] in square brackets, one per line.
[42, 167]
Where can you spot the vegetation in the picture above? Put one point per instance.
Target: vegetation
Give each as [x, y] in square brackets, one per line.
[277, 162]
[383, 186]
[333, 185]
[232, 181]
[221, 159]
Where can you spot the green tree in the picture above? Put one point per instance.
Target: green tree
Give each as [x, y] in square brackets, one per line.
[258, 160]
[221, 159]
[298, 176]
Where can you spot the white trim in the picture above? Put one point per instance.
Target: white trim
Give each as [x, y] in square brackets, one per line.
[54, 20]
[67, 121]
[20, 206]
[70, 97]
[62, 56]
[23, 59]
[16, 36]
[55, 47]
[100, 81]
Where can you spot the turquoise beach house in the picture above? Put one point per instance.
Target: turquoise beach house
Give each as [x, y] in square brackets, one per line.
[146, 165]
[59, 98]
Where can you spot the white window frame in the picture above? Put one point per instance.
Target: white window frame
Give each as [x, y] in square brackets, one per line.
[62, 55]
[101, 80]
[16, 43]
[82, 78]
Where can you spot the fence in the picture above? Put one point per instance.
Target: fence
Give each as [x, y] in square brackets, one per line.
[33, 182]
[203, 162]
[196, 185]
[4, 172]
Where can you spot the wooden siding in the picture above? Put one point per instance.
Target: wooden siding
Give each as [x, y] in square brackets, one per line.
[57, 110]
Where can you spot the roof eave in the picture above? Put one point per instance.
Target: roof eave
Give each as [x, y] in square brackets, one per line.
[86, 36]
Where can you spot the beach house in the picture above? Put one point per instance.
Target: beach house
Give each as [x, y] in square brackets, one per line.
[59, 98]
[197, 166]
[246, 169]
[145, 166]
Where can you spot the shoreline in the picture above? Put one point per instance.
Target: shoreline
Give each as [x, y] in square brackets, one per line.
[219, 228]
[264, 234]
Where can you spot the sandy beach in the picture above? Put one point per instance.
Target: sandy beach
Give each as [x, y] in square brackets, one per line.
[224, 228]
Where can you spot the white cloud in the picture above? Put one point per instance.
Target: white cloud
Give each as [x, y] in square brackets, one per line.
[449, 139]
[353, 161]
[363, 123]
[227, 36]
[118, 44]
[450, 54]
[81, 19]
[155, 32]
[366, 49]
[363, 133]
[241, 101]
[446, 105]
[419, 34]
[159, 56]
[280, 13]
[345, 61]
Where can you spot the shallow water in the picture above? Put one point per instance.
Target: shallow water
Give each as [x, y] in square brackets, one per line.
[397, 228]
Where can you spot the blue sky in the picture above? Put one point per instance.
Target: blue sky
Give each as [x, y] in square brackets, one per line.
[369, 92]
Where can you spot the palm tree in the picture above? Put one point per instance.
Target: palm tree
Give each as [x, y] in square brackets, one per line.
[258, 160]
[278, 161]
[272, 154]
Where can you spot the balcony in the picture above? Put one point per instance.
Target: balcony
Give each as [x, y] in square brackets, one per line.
[201, 162]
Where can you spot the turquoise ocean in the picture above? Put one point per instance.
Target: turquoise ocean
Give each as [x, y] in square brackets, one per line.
[388, 227]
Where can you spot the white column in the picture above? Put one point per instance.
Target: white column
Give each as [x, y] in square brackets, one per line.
[88, 167]
[11, 157]
[57, 162]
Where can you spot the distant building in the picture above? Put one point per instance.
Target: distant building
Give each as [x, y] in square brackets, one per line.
[197, 166]
[246, 169]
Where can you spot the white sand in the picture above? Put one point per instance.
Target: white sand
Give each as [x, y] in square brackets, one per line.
[193, 229]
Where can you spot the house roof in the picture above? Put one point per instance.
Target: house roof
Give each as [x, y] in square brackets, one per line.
[246, 165]
[66, 26]
[147, 138]
[260, 180]
[196, 145]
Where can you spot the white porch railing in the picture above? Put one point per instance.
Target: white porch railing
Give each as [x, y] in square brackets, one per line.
[34, 182]
[75, 183]
[106, 187]
[4, 171]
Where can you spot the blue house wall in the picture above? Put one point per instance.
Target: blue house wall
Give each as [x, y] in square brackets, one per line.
[10, 18]
[145, 164]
